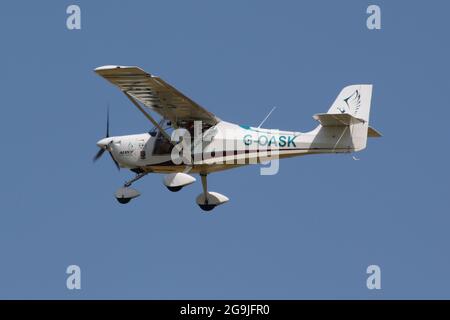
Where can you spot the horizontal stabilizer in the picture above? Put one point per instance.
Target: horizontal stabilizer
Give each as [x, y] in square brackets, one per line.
[372, 133]
[337, 119]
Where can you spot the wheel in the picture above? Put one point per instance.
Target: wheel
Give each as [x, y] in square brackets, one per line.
[125, 194]
[212, 200]
[207, 207]
[175, 189]
[123, 200]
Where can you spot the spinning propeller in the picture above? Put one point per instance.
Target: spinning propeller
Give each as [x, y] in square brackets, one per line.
[105, 144]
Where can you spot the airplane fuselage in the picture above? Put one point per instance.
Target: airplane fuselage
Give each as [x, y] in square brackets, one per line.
[223, 146]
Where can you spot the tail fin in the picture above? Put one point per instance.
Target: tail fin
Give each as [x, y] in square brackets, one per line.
[354, 100]
[349, 114]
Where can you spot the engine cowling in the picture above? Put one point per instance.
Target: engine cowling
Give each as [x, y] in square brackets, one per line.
[175, 181]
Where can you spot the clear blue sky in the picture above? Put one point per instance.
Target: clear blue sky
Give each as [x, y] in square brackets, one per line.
[308, 232]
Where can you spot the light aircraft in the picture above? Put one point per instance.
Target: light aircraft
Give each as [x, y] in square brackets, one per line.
[170, 148]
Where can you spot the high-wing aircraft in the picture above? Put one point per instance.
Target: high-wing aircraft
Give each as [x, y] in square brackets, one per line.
[188, 139]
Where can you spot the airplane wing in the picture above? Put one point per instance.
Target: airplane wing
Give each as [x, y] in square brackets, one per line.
[156, 94]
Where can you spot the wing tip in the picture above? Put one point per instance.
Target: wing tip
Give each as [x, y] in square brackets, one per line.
[111, 67]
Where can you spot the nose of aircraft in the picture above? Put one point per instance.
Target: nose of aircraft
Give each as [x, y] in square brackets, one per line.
[103, 142]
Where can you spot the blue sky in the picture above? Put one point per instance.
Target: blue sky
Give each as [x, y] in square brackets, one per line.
[308, 232]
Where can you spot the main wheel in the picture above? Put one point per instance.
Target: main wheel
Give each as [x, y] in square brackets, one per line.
[207, 207]
[175, 189]
[123, 200]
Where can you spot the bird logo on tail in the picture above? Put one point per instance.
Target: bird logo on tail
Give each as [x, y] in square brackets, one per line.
[353, 103]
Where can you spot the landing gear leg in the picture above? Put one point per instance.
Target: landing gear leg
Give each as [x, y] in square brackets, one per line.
[205, 205]
[136, 178]
[205, 186]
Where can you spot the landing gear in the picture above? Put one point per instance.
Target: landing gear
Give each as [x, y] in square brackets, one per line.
[209, 200]
[207, 207]
[123, 200]
[204, 201]
[126, 194]
[176, 181]
[174, 189]
[136, 178]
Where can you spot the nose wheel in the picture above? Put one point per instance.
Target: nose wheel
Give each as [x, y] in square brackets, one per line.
[126, 193]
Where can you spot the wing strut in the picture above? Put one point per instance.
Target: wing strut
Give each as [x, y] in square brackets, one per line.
[148, 116]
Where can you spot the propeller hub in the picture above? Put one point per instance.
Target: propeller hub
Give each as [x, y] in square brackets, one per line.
[103, 143]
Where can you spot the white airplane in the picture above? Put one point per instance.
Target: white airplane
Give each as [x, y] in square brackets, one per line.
[171, 149]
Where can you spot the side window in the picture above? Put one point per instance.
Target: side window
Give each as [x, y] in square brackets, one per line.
[162, 146]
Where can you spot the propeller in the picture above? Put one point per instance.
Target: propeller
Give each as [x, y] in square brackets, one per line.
[115, 162]
[99, 154]
[106, 147]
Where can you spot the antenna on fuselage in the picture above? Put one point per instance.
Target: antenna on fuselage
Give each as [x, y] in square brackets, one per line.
[268, 115]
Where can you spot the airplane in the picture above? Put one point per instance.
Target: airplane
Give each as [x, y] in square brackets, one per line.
[188, 139]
